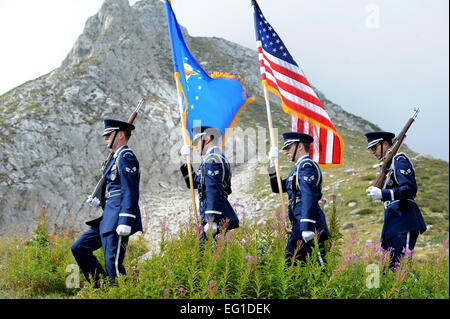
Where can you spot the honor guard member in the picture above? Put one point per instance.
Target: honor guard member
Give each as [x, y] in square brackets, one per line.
[121, 215]
[403, 220]
[304, 188]
[212, 179]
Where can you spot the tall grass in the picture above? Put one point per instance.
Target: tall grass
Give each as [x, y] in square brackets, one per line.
[35, 266]
[247, 262]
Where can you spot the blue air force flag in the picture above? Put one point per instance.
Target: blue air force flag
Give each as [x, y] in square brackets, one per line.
[208, 100]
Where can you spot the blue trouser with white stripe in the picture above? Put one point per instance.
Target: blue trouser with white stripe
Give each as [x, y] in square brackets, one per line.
[91, 240]
[297, 246]
[301, 250]
[399, 244]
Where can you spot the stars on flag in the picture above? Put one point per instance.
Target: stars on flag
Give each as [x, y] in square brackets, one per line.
[271, 42]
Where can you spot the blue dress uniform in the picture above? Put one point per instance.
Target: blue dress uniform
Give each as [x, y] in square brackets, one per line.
[304, 188]
[213, 182]
[403, 220]
[121, 195]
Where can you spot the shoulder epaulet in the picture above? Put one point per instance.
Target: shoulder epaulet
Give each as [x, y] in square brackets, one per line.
[213, 158]
[307, 163]
[401, 157]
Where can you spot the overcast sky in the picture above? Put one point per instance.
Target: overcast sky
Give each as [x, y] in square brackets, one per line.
[377, 59]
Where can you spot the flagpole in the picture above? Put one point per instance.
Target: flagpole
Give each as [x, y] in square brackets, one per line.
[186, 142]
[277, 170]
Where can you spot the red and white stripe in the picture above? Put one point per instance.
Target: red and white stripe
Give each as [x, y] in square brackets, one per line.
[297, 95]
[326, 148]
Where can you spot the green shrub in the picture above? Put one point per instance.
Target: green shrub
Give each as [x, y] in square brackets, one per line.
[247, 262]
[36, 266]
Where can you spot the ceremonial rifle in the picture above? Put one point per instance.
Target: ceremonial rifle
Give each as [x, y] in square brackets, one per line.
[392, 151]
[98, 191]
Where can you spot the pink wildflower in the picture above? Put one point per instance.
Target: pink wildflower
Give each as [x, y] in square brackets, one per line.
[408, 251]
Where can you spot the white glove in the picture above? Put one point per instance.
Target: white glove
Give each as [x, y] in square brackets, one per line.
[273, 153]
[123, 230]
[214, 228]
[186, 150]
[93, 201]
[373, 192]
[307, 235]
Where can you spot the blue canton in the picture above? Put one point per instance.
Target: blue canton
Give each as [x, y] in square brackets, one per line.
[270, 40]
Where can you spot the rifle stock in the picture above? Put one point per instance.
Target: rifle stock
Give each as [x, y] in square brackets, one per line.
[378, 182]
[392, 151]
[132, 117]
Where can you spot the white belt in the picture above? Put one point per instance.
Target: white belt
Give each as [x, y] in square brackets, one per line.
[114, 193]
[389, 202]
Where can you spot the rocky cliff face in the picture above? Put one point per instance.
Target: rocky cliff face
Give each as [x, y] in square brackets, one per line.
[51, 146]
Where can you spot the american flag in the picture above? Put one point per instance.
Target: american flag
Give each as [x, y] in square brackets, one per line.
[281, 75]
